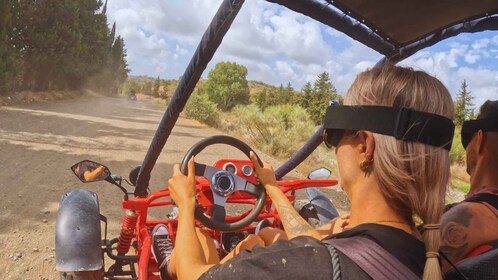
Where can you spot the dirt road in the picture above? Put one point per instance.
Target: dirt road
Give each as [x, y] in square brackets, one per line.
[38, 144]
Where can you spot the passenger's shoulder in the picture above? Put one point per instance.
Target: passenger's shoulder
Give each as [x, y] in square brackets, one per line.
[467, 210]
[462, 214]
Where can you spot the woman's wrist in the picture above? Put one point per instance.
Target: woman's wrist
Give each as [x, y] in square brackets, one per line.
[187, 206]
[270, 186]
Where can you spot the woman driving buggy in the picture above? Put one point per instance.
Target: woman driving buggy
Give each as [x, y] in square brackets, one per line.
[392, 142]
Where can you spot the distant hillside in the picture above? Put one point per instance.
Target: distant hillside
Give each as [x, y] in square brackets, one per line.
[255, 86]
[170, 86]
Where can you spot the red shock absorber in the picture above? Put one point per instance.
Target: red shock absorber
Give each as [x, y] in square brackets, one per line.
[127, 230]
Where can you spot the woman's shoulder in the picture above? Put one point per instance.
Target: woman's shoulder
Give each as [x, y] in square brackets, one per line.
[405, 247]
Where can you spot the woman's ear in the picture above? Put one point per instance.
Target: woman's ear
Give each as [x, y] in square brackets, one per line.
[369, 144]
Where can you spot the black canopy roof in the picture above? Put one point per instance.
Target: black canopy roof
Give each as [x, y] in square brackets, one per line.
[398, 28]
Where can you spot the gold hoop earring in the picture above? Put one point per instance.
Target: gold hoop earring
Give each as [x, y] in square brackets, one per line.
[366, 165]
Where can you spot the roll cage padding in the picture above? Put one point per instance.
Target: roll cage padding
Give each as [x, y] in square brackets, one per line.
[478, 25]
[77, 234]
[210, 42]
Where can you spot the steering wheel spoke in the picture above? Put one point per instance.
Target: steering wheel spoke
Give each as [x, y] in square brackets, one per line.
[200, 169]
[219, 211]
[207, 171]
[248, 187]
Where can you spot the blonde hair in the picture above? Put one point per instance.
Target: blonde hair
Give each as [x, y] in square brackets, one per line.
[413, 177]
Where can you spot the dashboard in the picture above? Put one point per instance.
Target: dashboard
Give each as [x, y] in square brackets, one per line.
[240, 167]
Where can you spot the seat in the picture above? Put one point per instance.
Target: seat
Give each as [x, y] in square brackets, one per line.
[482, 266]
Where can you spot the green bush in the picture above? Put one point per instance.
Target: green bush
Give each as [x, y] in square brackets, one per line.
[279, 130]
[200, 108]
[457, 153]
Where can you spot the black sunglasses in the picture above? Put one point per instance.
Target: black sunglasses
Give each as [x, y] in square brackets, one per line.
[466, 137]
[469, 128]
[331, 137]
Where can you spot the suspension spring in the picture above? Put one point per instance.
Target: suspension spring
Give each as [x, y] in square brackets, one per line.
[127, 231]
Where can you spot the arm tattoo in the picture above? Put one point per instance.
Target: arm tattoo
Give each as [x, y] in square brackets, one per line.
[292, 222]
[454, 231]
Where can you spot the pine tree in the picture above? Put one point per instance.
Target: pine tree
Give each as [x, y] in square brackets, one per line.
[472, 115]
[323, 84]
[323, 92]
[117, 67]
[306, 95]
[289, 92]
[463, 104]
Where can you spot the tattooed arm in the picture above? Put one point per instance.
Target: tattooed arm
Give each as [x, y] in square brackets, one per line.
[455, 233]
[465, 227]
[294, 224]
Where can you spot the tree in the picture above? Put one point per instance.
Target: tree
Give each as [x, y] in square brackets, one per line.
[472, 115]
[118, 66]
[323, 92]
[58, 44]
[463, 104]
[51, 41]
[304, 98]
[9, 56]
[227, 85]
[323, 84]
[260, 98]
[157, 85]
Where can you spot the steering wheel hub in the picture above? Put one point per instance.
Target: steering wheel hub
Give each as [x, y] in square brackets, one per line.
[223, 183]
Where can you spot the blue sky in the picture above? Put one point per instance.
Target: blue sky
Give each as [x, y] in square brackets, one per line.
[279, 46]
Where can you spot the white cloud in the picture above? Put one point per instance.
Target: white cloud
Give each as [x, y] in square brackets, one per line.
[483, 83]
[472, 58]
[446, 65]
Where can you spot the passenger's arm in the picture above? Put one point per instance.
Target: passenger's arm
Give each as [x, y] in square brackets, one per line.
[294, 224]
[465, 227]
[455, 232]
[190, 261]
[94, 174]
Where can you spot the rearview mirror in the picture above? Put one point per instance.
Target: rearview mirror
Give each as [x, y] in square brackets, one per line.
[90, 171]
[320, 173]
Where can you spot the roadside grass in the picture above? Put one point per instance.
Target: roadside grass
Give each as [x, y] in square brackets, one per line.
[279, 131]
[460, 185]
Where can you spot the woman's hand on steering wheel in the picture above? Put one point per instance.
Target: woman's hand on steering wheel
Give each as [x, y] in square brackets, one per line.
[264, 174]
[181, 187]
